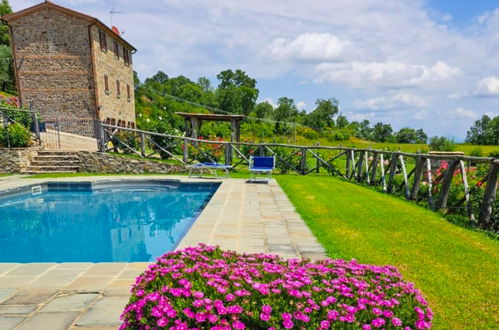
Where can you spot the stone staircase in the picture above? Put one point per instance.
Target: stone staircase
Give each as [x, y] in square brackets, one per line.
[48, 161]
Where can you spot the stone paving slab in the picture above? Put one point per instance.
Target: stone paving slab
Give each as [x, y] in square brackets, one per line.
[251, 218]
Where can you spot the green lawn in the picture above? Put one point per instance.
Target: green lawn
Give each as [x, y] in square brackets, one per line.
[457, 269]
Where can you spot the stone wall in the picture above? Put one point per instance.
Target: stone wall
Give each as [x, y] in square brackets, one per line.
[96, 162]
[60, 70]
[15, 160]
[54, 65]
[111, 105]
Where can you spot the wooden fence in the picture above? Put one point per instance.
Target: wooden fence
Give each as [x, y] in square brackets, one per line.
[433, 179]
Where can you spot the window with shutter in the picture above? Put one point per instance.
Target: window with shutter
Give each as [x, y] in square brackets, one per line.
[106, 84]
[118, 89]
[126, 56]
[102, 40]
[116, 49]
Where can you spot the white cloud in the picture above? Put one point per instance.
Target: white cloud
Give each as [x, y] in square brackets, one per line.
[399, 100]
[301, 105]
[348, 49]
[307, 47]
[488, 87]
[420, 115]
[384, 74]
[464, 113]
[271, 102]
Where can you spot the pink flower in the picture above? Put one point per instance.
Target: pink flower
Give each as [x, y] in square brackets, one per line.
[264, 317]
[266, 309]
[288, 324]
[378, 322]
[162, 322]
[396, 322]
[238, 325]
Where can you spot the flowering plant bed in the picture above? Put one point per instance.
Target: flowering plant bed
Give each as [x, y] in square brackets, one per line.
[204, 287]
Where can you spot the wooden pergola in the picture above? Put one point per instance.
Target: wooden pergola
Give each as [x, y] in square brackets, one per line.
[196, 119]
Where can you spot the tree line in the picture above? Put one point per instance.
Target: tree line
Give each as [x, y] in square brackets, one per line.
[159, 96]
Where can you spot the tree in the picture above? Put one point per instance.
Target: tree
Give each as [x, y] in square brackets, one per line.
[264, 110]
[286, 111]
[4, 29]
[159, 77]
[236, 92]
[382, 132]
[7, 78]
[406, 135]
[341, 121]
[421, 136]
[365, 130]
[323, 115]
[205, 84]
[484, 131]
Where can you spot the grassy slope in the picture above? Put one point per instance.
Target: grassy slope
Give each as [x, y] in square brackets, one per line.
[406, 147]
[458, 270]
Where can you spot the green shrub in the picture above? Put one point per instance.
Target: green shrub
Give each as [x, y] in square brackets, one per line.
[494, 154]
[442, 144]
[128, 138]
[476, 152]
[15, 136]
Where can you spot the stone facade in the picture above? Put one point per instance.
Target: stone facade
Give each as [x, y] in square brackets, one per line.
[60, 67]
[114, 107]
[15, 160]
[97, 162]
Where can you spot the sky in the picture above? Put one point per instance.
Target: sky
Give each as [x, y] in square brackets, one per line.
[431, 64]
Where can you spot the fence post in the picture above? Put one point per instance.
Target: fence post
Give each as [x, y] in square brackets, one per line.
[142, 144]
[489, 197]
[228, 154]
[347, 164]
[100, 137]
[360, 165]
[446, 183]
[418, 175]
[37, 127]
[303, 164]
[374, 168]
[185, 150]
[393, 169]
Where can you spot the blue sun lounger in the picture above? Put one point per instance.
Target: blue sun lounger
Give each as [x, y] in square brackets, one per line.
[261, 165]
[211, 167]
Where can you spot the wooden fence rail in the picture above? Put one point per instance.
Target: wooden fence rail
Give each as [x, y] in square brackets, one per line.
[430, 178]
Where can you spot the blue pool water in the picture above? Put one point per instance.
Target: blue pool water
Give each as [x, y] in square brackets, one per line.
[98, 222]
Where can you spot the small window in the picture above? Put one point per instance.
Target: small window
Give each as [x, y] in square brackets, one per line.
[128, 93]
[118, 89]
[132, 125]
[106, 84]
[116, 49]
[103, 40]
[126, 56]
[113, 121]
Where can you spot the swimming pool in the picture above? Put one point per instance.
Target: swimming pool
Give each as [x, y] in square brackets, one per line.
[110, 221]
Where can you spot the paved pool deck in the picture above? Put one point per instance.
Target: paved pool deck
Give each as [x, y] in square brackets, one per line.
[245, 217]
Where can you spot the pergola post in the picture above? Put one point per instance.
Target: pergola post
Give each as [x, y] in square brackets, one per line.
[194, 127]
[233, 133]
[196, 119]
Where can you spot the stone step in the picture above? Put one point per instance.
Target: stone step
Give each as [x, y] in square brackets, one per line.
[56, 153]
[53, 168]
[45, 172]
[55, 158]
[49, 162]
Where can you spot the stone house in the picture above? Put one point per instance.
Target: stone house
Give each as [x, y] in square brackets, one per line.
[72, 68]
